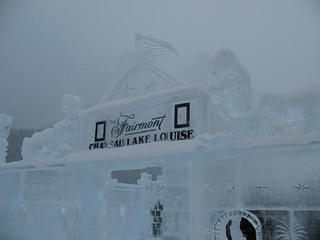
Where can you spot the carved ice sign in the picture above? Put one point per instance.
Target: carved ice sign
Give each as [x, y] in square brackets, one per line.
[176, 115]
[139, 127]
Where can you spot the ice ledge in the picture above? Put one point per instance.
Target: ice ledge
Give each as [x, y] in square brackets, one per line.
[165, 151]
[152, 150]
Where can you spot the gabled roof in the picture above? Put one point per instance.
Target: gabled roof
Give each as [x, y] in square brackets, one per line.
[144, 77]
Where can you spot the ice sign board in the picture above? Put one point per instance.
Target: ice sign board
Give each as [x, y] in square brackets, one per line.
[175, 116]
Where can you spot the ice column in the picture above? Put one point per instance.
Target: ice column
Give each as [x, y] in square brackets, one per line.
[5, 125]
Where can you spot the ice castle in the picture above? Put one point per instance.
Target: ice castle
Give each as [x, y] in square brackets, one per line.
[158, 159]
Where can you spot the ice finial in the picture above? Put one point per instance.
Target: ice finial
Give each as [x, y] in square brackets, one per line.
[5, 125]
[144, 77]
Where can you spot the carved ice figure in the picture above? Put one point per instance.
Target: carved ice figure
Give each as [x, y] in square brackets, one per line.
[5, 125]
[235, 231]
[144, 77]
[59, 140]
[231, 87]
[230, 92]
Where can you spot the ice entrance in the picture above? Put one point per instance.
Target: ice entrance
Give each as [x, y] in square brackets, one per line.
[135, 204]
[233, 230]
[237, 225]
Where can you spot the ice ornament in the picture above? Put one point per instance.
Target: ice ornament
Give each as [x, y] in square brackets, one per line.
[59, 140]
[5, 125]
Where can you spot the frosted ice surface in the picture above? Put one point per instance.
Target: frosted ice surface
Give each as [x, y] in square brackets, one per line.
[59, 140]
[5, 125]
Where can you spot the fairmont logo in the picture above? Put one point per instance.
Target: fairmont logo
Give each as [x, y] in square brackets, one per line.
[122, 126]
[126, 130]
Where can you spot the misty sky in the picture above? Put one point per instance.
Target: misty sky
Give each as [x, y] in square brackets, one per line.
[52, 47]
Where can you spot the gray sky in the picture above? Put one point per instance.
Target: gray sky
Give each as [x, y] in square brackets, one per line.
[52, 47]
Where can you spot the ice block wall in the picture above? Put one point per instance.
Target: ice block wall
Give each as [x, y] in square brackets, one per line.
[276, 187]
[194, 196]
[82, 199]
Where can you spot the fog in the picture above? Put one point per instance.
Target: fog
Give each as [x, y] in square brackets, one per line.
[52, 47]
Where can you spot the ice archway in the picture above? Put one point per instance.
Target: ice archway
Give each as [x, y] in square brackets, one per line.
[219, 226]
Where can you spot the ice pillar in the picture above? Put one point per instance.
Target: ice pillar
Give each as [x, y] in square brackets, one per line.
[5, 125]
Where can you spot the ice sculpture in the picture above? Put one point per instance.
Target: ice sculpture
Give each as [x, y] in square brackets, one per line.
[144, 77]
[5, 125]
[231, 87]
[59, 140]
[219, 183]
